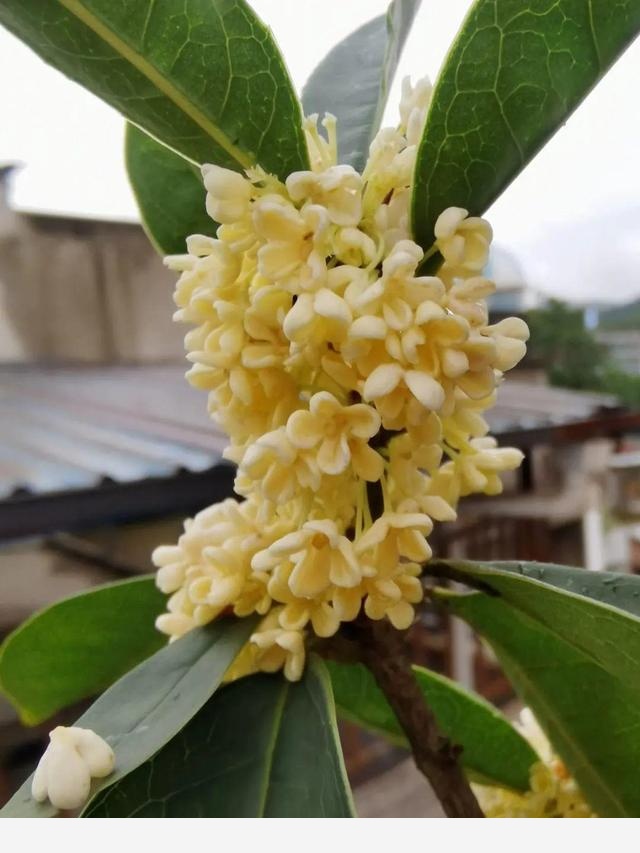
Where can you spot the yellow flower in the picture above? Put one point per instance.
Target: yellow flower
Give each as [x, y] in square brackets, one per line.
[293, 250]
[414, 457]
[391, 387]
[228, 194]
[394, 594]
[352, 246]
[247, 403]
[279, 649]
[219, 342]
[466, 297]
[463, 240]
[320, 554]
[332, 365]
[317, 318]
[209, 272]
[394, 296]
[395, 535]
[297, 612]
[220, 577]
[274, 465]
[510, 336]
[553, 792]
[477, 467]
[337, 189]
[181, 616]
[338, 435]
[209, 569]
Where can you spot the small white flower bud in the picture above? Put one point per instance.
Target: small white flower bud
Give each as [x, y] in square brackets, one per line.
[64, 773]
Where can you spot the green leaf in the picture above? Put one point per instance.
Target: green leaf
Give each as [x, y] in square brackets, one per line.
[139, 714]
[261, 747]
[618, 590]
[78, 647]
[205, 77]
[607, 634]
[516, 71]
[492, 750]
[352, 82]
[591, 717]
[169, 192]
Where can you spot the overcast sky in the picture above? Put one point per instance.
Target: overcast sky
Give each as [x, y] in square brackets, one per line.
[572, 218]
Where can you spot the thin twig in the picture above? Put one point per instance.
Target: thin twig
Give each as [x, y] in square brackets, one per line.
[384, 651]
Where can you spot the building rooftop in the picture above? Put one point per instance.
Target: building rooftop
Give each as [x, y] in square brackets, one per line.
[92, 445]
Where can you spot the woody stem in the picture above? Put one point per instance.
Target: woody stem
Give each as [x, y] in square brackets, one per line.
[382, 648]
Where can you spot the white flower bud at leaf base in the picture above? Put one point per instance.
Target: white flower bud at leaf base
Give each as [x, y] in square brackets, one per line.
[74, 756]
[333, 364]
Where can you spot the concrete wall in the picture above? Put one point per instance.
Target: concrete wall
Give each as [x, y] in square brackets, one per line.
[75, 290]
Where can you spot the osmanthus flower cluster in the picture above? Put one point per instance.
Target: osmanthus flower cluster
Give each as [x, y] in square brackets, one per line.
[553, 792]
[351, 385]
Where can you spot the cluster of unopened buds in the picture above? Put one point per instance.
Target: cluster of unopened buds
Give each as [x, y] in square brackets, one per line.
[553, 791]
[352, 387]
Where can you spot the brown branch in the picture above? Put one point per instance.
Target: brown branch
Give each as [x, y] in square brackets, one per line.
[383, 649]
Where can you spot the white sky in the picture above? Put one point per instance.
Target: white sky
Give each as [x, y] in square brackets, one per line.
[572, 218]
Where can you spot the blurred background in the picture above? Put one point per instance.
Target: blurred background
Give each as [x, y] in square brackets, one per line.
[104, 448]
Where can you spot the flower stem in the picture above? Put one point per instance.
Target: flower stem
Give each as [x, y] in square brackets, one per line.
[384, 652]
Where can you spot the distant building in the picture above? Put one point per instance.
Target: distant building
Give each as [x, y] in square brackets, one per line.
[513, 295]
[81, 290]
[619, 330]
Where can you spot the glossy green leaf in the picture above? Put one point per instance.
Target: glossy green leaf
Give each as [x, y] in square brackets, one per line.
[352, 82]
[614, 588]
[205, 76]
[143, 711]
[515, 72]
[492, 750]
[261, 747]
[591, 717]
[79, 646]
[607, 634]
[169, 192]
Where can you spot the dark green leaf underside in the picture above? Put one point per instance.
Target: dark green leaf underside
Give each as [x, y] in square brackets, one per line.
[352, 82]
[79, 646]
[492, 750]
[204, 76]
[261, 747]
[591, 717]
[516, 71]
[144, 710]
[169, 192]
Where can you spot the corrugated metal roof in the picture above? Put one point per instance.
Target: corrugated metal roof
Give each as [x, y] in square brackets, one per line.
[65, 429]
[528, 405]
[73, 428]
[84, 446]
